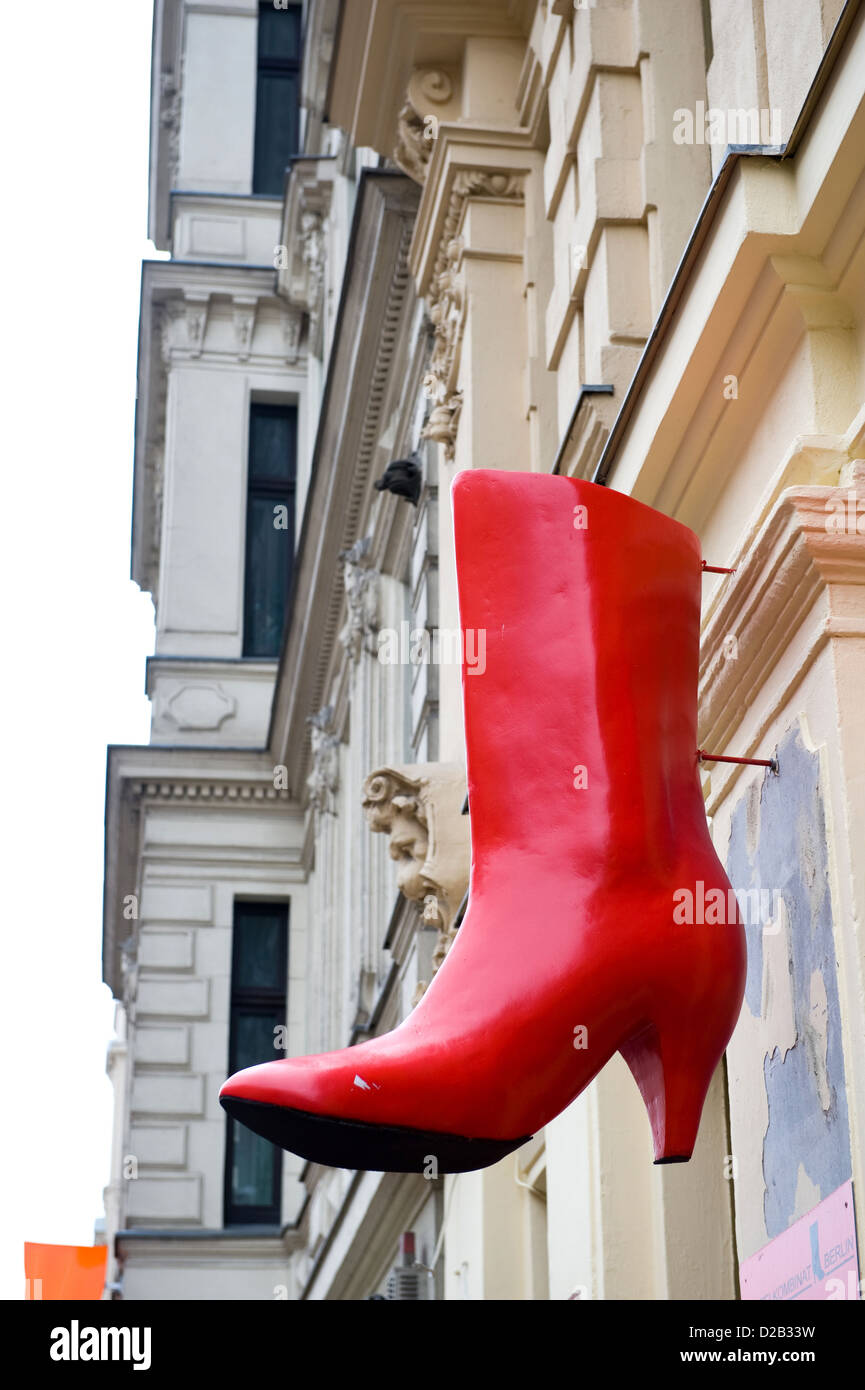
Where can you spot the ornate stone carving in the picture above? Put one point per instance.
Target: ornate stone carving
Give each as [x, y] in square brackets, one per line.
[129, 971]
[312, 254]
[169, 119]
[361, 592]
[155, 466]
[420, 808]
[417, 122]
[412, 150]
[446, 299]
[302, 253]
[323, 780]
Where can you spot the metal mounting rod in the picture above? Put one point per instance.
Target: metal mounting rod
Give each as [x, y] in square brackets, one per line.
[716, 569]
[705, 757]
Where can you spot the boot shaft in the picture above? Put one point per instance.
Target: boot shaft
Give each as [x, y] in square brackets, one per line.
[585, 712]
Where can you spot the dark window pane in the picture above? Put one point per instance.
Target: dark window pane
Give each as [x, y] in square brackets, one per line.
[254, 1036]
[268, 572]
[252, 1176]
[269, 526]
[272, 443]
[259, 945]
[279, 33]
[258, 997]
[276, 129]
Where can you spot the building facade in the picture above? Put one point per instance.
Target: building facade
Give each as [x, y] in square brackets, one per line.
[619, 241]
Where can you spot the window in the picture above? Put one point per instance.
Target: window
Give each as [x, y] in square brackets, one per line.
[277, 96]
[269, 526]
[259, 967]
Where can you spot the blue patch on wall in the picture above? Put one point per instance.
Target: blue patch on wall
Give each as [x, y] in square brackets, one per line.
[790, 857]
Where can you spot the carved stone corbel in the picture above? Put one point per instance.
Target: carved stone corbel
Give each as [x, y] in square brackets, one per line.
[197, 310]
[244, 310]
[431, 97]
[420, 807]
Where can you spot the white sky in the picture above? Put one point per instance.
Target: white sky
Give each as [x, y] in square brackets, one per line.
[74, 106]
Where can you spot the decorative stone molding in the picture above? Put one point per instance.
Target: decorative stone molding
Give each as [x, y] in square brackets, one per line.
[323, 780]
[154, 462]
[312, 255]
[237, 793]
[129, 972]
[804, 569]
[447, 304]
[182, 327]
[199, 705]
[361, 592]
[170, 90]
[420, 807]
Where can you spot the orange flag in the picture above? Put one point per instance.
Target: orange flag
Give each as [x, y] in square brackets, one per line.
[64, 1271]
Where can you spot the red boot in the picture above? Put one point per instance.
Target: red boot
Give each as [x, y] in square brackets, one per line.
[586, 819]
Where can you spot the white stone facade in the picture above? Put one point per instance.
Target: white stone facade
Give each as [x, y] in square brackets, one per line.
[513, 239]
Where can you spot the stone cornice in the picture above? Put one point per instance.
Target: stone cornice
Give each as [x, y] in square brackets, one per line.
[204, 1247]
[798, 580]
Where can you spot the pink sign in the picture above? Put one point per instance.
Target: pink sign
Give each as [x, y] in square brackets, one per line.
[815, 1259]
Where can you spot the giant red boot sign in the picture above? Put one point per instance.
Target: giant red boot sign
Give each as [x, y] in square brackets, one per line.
[587, 822]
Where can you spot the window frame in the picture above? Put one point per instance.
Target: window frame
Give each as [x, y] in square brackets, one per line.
[272, 66]
[281, 492]
[261, 1000]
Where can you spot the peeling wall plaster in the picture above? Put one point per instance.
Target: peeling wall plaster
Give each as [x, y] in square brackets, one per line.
[790, 1026]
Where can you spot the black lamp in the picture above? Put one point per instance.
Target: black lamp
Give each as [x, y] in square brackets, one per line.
[403, 478]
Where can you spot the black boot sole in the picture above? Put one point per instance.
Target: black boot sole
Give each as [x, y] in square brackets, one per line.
[371, 1148]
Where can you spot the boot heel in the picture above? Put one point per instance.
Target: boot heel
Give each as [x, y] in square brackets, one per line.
[673, 1071]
